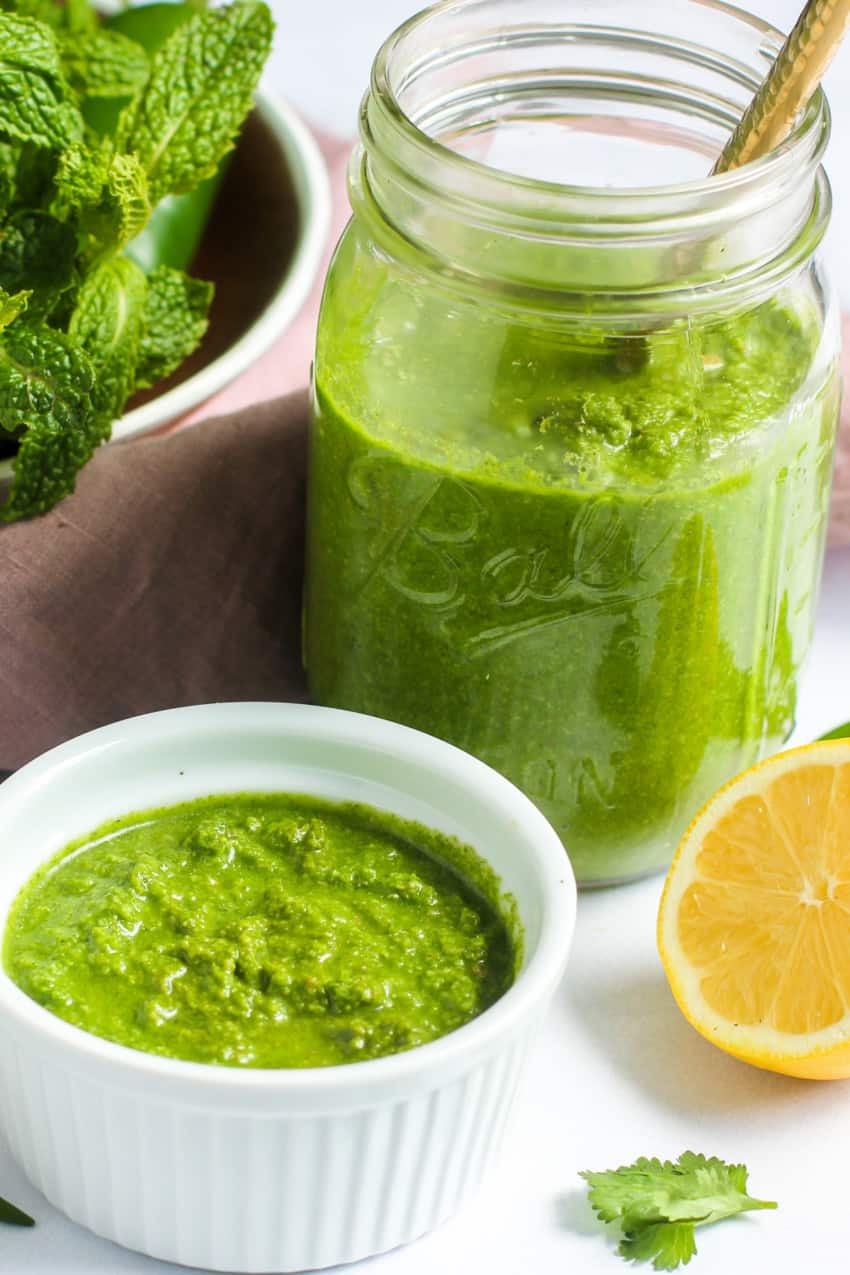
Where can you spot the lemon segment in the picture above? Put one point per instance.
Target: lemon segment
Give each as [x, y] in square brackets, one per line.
[754, 921]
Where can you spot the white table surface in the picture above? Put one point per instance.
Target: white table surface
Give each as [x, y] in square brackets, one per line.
[618, 1073]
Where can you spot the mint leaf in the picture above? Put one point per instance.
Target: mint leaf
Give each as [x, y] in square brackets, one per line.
[36, 252]
[46, 385]
[14, 1216]
[80, 326]
[103, 63]
[199, 92]
[80, 176]
[12, 307]
[175, 322]
[126, 201]
[651, 1195]
[108, 324]
[8, 174]
[79, 15]
[35, 176]
[107, 193]
[43, 10]
[34, 105]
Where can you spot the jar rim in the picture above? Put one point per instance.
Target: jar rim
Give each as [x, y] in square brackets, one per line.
[465, 68]
[811, 130]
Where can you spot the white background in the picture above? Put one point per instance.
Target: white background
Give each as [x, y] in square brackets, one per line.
[618, 1072]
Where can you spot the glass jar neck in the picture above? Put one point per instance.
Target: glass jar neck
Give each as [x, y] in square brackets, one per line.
[475, 104]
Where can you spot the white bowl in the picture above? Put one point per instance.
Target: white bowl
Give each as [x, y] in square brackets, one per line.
[260, 1170]
[297, 151]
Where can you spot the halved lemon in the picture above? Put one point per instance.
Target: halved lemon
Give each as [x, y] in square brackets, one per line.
[754, 922]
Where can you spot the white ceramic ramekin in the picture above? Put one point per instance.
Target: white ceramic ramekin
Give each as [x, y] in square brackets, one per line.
[248, 1170]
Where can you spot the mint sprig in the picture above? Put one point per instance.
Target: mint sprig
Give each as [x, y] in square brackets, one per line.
[658, 1204]
[199, 91]
[83, 327]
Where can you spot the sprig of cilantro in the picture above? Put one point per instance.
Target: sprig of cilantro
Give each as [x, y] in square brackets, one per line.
[659, 1203]
[81, 326]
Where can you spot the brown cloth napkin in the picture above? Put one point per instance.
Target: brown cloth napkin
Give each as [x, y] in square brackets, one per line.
[172, 576]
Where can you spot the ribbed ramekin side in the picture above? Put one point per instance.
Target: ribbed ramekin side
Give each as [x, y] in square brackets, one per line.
[234, 1192]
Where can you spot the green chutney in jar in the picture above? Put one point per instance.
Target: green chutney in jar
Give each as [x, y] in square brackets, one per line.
[580, 542]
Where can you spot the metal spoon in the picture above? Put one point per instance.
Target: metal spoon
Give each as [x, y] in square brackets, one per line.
[790, 83]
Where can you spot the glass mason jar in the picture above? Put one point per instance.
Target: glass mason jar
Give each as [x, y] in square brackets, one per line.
[572, 443]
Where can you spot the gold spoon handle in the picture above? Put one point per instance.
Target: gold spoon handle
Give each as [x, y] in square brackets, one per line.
[792, 80]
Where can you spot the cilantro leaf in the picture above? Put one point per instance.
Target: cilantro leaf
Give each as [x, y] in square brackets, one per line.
[666, 1244]
[34, 105]
[176, 320]
[838, 732]
[199, 91]
[14, 1216]
[658, 1203]
[108, 324]
[103, 63]
[46, 385]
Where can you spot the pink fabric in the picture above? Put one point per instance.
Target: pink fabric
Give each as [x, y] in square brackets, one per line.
[286, 366]
[839, 522]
